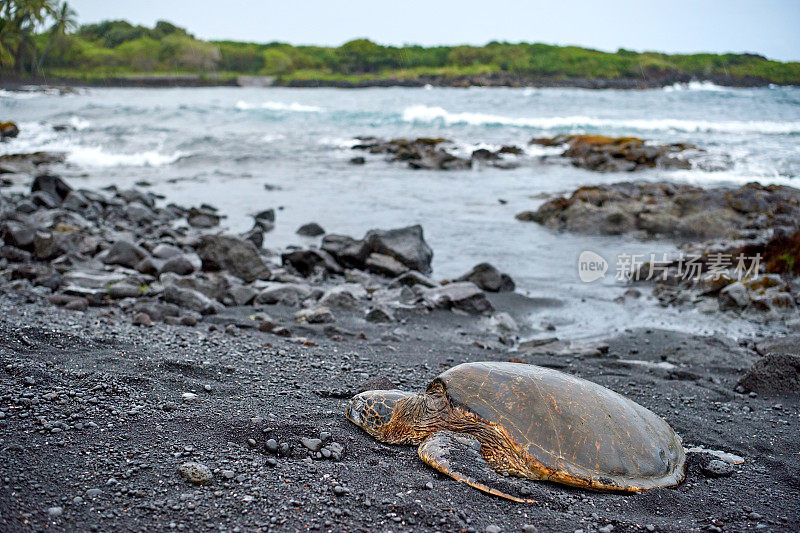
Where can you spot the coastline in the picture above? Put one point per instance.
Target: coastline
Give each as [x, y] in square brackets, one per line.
[114, 397]
[498, 79]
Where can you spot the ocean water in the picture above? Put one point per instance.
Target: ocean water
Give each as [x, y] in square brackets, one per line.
[223, 145]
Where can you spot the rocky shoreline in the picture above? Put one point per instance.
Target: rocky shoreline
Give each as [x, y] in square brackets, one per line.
[498, 79]
[740, 247]
[592, 152]
[158, 373]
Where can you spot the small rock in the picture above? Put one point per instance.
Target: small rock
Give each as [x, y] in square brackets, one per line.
[311, 229]
[380, 313]
[55, 511]
[196, 473]
[312, 444]
[271, 446]
[189, 396]
[488, 278]
[717, 468]
[317, 315]
[142, 319]
[492, 528]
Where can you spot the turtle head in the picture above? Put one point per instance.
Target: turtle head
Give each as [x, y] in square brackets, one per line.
[387, 415]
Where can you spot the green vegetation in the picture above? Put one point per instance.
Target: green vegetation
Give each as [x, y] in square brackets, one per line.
[40, 36]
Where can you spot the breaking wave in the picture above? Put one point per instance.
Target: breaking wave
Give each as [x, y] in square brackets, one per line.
[241, 105]
[95, 156]
[423, 113]
[697, 86]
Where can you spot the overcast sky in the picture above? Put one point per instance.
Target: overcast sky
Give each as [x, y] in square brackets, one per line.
[768, 27]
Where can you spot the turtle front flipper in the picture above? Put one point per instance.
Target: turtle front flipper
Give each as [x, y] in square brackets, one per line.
[459, 456]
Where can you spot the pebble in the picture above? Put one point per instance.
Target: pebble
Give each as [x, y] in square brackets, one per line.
[228, 474]
[189, 396]
[55, 511]
[492, 528]
[251, 442]
[529, 528]
[271, 446]
[717, 468]
[312, 444]
[93, 493]
[197, 473]
[606, 529]
[142, 319]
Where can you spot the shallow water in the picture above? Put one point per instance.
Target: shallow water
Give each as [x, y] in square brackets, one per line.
[222, 145]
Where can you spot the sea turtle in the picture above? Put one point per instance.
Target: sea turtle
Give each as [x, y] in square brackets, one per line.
[476, 420]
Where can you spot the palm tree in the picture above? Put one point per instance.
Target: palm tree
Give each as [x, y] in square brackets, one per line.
[20, 19]
[65, 21]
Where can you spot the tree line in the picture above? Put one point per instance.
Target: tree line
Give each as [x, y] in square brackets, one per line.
[42, 36]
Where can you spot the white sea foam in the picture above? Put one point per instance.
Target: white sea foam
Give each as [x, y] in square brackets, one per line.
[272, 137]
[339, 142]
[95, 156]
[241, 105]
[695, 85]
[423, 113]
[79, 123]
[18, 95]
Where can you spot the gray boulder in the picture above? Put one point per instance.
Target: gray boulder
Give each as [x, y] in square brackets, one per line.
[305, 262]
[380, 313]
[190, 299]
[463, 295]
[203, 217]
[237, 256]
[347, 250]
[734, 296]
[123, 253]
[312, 229]
[283, 293]
[243, 294]
[18, 234]
[488, 278]
[406, 245]
[51, 185]
[385, 265]
[182, 264]
[344, 296]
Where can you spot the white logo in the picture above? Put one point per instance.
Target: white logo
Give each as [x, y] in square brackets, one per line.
[591, 266]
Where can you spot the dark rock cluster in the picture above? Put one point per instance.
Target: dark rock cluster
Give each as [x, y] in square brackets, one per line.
[116, 247]
[618, 154]
[435, 154]
[668, 210]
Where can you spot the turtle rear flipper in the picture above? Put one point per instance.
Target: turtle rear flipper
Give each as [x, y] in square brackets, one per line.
[459, 456]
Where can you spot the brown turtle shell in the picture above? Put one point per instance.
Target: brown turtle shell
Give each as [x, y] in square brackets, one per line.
[575, 431]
